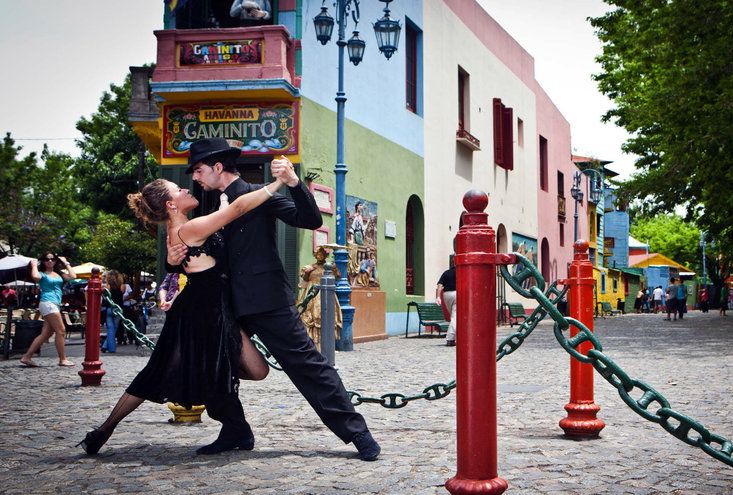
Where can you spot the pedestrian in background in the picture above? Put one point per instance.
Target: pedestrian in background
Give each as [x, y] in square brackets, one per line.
[445, 292]
[681, 298]
[671, 293]
[702, 298]
[116, 287]
[170, 287]
[658, 294]
[54, 271]
[724, 300]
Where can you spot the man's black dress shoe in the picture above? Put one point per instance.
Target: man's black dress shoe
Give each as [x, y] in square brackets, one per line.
[222, 445]
[368, 448]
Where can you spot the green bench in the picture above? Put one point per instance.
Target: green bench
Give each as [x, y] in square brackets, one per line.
[429, 315]
[515, 312]
[607, 309]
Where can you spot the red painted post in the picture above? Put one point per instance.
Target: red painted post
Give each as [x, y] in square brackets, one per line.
[581, 421]
[476, 353]
[92, 373]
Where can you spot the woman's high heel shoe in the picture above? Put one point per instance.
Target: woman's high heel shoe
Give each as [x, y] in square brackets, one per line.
[93, 441]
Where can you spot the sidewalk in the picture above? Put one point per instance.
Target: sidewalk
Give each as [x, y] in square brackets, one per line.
[44, 412]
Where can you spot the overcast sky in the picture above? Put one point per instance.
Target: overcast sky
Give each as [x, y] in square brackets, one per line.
[60, 55]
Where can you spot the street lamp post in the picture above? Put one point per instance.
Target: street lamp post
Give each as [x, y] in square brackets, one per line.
[387, 31]
[577, 194]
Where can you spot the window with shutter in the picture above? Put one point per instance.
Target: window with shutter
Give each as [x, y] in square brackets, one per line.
[503, 134]
[507, 132]
[498, 136]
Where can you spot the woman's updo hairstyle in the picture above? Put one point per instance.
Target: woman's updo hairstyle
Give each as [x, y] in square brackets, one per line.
[149, 205]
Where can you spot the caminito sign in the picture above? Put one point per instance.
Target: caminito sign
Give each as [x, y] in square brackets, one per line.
[220, 52]
[258, 129]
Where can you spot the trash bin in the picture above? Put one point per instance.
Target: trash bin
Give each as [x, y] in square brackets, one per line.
[25, 332]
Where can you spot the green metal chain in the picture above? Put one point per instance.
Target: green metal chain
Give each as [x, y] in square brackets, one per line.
[677, 424]
[512, 342]
[390, 400]
[129, 325]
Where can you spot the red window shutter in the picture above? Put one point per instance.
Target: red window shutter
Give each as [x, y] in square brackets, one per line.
[508, 137]
[498, 136]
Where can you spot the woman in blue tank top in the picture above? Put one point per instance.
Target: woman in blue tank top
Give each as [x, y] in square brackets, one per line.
[50, 279]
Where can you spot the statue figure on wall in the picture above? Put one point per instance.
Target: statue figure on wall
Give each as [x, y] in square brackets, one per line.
[309, 298]
[367, 276]
[353, 250]
[252, 12]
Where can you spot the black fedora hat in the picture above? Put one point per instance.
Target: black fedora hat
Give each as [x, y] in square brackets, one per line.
[204, 148]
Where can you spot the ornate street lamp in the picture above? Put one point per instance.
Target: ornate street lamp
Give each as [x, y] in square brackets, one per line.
[577, 195]
[594, 194]
[388, 32]
[355, 46]
[324, 26]
[390, 35]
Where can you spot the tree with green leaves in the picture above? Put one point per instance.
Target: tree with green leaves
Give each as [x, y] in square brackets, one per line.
[667, 65]
[113, 161]
[41, 209]
[671, 236]
[120, 244]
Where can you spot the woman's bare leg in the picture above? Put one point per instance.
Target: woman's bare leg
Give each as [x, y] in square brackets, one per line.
[252, 366]
[46, 333]
[57, 324]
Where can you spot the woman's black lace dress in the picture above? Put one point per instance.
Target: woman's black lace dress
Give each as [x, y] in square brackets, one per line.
[197, 354]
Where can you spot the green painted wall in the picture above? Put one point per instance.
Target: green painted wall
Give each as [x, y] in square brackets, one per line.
[380, 171]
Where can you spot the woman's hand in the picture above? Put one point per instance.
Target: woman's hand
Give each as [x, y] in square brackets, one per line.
[166, 305]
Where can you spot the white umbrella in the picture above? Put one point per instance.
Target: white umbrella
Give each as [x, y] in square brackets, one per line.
[13, 267]
[14, 261]
[19, 283]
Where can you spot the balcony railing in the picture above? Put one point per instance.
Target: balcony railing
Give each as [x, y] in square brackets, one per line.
[227, 54]
[467, 139]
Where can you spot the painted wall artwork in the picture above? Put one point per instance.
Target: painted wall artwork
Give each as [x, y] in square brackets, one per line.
[361, 239]
[526, 246]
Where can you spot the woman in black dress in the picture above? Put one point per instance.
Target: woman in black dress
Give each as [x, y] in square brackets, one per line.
[201, 352]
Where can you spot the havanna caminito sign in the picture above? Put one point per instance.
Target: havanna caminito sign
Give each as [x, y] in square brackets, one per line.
[220, 52]
[256, 128]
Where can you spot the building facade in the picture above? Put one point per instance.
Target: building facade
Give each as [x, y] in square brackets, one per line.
[421, 129]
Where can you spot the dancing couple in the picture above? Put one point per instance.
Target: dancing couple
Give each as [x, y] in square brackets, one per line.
[201, 353]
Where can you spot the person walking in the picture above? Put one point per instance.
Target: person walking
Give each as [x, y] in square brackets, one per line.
[671, 293]
[54, 271]
[263, 298]
[445, 292]
[657, 294]
[681, 298]
[200, 354]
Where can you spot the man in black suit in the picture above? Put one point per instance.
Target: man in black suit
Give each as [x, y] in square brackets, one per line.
[263, 299]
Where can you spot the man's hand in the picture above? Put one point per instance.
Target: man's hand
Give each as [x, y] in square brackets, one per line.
[176, 253]
[283, 169]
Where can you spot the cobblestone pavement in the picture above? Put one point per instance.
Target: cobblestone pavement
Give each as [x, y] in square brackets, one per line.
[44, 412]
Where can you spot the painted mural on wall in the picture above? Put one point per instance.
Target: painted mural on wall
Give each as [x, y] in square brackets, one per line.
[361, 241]
[258, 129]
[220, 52]
[526, 246]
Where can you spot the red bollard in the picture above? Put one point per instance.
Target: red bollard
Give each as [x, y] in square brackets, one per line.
[92, 373]
[581, 421]
[476, 261]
